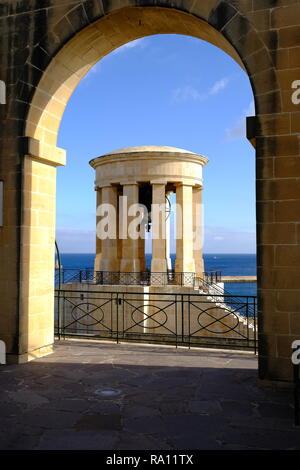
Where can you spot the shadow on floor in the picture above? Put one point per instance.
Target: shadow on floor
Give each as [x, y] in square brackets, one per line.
[92, 395]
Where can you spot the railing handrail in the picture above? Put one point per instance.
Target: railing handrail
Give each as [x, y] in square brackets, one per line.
[190, 294]
[127, 278]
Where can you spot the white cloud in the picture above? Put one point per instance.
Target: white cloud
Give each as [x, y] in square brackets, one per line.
[188, 92]
[218, 86]
[130, 45]
[238, 131]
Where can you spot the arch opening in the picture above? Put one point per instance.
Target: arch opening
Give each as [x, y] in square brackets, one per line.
[51, 96]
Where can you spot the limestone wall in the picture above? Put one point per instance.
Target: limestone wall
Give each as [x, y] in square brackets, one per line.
[45, 50]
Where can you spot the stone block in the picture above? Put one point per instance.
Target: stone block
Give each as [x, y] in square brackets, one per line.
[287, 255]
[287, 211]
[274, 124]
[288, 301]
[278, 145]
[295, 122]
[277, 233]
[285, 16]
[289, 37]
[265, 168]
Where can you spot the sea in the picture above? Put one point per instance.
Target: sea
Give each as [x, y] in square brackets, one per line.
[228, 264]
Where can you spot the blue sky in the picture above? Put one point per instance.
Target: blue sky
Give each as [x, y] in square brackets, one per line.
[162, 90]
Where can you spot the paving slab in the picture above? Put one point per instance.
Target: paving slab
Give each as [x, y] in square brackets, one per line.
[98, 395]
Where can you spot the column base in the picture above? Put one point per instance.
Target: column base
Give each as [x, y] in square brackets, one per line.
[97, 262]
[130, 265]
[159, 276]
[29, 356]
[184, 266]
[199, 268]
[110, 265]
[159, 265]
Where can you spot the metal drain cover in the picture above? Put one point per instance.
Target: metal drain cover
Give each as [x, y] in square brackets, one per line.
[108, 392]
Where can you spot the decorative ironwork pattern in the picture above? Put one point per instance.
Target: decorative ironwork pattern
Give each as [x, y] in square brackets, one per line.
[180, 319]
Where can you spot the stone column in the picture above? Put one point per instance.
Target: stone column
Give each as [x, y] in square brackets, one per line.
[158, 215]
[98, 240]
[130, 247]
[119, 239]
[184, 229]
[198, 230]
[142, 248]
[168, 237]
[109, 259]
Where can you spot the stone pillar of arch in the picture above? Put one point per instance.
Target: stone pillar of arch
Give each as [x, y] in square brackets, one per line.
[185, 262]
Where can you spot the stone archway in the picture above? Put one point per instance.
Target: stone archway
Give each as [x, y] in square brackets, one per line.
[50, 66]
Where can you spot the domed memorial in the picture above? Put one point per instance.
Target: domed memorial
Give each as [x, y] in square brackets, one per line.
[159, 304]
[133, 187]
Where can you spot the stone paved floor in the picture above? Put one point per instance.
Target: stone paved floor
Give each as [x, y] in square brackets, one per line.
[164, 399]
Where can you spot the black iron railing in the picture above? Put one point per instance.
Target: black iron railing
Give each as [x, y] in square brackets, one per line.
[66, 276]
[212, 277]
[178, 319]
[213, 288]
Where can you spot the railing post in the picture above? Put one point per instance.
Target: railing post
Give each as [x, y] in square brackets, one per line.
[64, 313]
[117, 318]
[247, 315]
[189, 320]
[255, 325]
[182, 320]
[58, 313]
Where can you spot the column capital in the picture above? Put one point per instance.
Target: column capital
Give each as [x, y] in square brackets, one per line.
[101, 186]
[129, 183]
[184, 183]
[158, 182]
